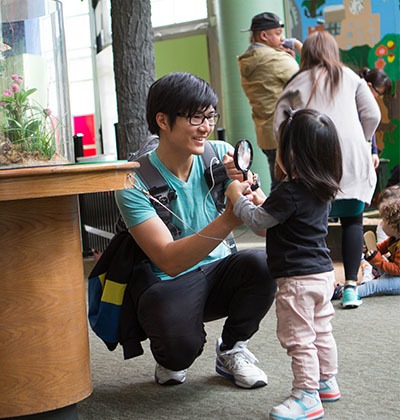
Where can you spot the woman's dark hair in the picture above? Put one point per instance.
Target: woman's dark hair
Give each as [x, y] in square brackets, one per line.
[320, 50]
[309, 149]
[378, 79]
[177, 93]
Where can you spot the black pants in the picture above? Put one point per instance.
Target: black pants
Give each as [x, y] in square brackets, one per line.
[172, 312]
[352, 244]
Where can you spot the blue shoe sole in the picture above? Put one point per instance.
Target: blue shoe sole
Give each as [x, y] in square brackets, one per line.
[223, 373]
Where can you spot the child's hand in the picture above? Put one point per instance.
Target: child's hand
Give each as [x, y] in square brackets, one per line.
[369, 253]
[236, 189]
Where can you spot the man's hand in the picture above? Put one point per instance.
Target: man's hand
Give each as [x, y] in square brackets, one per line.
[231, 169]
[290, 45]
[228, 213]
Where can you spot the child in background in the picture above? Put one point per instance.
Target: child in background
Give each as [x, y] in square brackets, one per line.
[389, 192]
[386, 256]
[295, 215]
[369, 272]
[380, 85]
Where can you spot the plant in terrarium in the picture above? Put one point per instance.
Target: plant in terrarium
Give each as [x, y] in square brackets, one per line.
[28, 129]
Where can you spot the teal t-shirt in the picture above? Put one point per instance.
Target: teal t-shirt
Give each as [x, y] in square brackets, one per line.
[194, 205]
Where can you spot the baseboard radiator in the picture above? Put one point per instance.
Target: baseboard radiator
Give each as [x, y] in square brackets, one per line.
[99, 215]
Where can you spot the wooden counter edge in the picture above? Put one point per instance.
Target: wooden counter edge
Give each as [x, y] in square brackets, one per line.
[27, 183]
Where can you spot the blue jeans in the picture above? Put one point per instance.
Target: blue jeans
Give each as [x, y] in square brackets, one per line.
[384, 285]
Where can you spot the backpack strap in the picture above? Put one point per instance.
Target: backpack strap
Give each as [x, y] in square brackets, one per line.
[215, 174]
[216, 182]
[160, 190]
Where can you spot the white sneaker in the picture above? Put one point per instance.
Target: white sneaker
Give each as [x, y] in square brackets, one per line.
[238, 365]
[299, 406]
[329, 390]
[165, 376]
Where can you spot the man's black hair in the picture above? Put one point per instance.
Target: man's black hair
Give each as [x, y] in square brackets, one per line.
[177, 93]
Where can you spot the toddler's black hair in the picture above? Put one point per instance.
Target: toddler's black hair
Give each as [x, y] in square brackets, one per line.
[309, 149]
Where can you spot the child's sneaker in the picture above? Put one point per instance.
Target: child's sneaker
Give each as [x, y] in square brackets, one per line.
[329, 390]
[299, 406]
[337, 293]
[350, 298]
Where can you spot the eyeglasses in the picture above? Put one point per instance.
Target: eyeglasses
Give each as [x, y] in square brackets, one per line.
[198, 119]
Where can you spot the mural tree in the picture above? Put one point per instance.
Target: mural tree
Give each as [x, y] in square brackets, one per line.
[385, 55]
[133, 68]
[312, 7]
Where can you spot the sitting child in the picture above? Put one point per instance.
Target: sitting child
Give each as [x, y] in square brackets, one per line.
[368, 272]
[386, 256]
[389, 192]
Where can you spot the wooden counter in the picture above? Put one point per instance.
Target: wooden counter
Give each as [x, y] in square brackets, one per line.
[44, 350]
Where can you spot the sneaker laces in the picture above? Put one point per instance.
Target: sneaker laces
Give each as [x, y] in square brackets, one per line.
[242, 356]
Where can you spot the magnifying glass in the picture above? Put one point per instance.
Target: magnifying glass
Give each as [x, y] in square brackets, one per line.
[243, 157]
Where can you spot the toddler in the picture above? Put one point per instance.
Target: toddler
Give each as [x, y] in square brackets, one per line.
[295, 215]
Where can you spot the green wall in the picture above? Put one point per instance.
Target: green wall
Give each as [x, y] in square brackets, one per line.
[189, 54]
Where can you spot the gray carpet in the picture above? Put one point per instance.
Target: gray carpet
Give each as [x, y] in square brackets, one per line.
[368, 341]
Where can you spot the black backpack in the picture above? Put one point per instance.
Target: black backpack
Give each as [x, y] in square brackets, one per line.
[123, 271]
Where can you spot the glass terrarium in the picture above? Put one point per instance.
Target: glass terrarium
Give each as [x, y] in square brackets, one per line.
[35, 120]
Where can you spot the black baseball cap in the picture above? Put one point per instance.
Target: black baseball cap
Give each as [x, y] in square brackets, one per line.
[264, 21]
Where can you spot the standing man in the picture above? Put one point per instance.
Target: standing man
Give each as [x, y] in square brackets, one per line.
[265, 67]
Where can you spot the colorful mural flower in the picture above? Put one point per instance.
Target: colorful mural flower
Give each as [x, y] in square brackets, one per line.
[386, 55]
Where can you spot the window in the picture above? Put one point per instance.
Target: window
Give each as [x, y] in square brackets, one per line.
[169, 12]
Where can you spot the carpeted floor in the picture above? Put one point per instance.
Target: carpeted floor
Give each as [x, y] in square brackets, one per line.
[368, 341]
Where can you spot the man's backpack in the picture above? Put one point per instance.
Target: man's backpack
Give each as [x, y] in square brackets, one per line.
[123, 262]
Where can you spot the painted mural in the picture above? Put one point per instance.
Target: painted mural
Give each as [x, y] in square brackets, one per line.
[368, 34]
